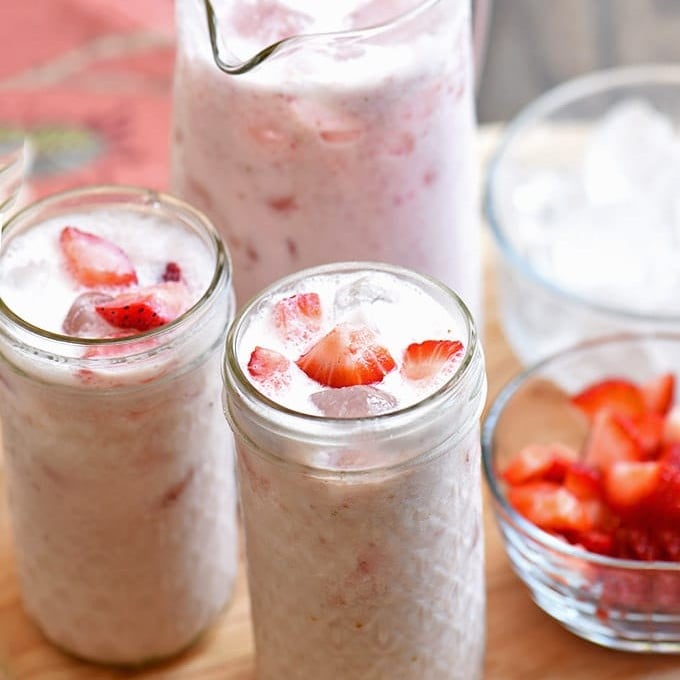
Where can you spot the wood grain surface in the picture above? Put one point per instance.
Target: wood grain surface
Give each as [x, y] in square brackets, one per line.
[523, 643]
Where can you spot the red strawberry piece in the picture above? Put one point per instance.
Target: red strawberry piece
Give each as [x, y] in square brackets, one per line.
[426, 359]
[647, 430]
[584, 481]
[539, 462]
[615, 395]
[266, 364]
[172, 272]
[549, 506]
[671, 428]
[629, 484]
[597, 541]
[94, 261]
[298, 317]
[658, 393]
[609, 442]
[669, 541]
[598, 514]
[666, 502]
[348, 355]
[146, 308]
[638, 543]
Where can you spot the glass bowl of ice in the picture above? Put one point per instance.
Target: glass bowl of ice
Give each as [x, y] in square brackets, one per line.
[581, 197]
[581, 453]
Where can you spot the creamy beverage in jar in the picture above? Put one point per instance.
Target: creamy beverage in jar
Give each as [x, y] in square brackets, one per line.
[114, 305]
[357, 144]
[354, 391]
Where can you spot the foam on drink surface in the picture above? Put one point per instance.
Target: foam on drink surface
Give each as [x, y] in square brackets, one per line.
[37, 286]
[398, 312]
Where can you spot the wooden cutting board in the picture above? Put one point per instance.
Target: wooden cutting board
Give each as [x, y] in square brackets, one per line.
[523, 643]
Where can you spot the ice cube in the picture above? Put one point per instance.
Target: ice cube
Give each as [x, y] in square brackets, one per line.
[353, 402]
[82, 320]
[364, 292]
[631, 151]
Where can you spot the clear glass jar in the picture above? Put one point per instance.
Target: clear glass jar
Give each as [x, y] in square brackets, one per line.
[119, 463]
[356, 144]
[364, 535]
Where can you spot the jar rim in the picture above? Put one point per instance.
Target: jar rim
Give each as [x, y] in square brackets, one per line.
[123, 196]
[313, 428]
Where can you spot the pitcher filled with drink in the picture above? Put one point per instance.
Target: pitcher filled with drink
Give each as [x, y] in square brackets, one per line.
[313, 132]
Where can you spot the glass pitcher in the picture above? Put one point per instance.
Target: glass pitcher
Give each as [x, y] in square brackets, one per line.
[15, 156]
[313, 132]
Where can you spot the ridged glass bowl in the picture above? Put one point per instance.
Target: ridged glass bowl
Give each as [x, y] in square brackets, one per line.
[536, 184]
[622, 604]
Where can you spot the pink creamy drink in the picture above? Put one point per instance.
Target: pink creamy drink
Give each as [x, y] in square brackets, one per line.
[332, 148]
[355, 392]
[119, 463]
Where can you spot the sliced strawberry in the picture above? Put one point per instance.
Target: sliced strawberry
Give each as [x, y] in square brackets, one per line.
[584, 481]
[172, 272]
[615, 395]
[348, 355]
[658, 393]
[637, 543]
[647, 430]
[539, 462]
[629, 484]
[266, 364]
[146, 308]
[598, 514]
[426, 359]
[298, 317]
[549, 506]
[666, 501]
[609, 442]
[94, 261]
[671, 428]
[595, 540]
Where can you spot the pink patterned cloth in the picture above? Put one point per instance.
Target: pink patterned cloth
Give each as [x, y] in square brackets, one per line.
[89, 81]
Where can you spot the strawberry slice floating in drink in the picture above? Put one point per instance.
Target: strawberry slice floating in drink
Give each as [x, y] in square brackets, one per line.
[348, 355]
[146, 308]
[93, 261]
[172, 272]
[298, 317]
[267, 365]
[426, 359]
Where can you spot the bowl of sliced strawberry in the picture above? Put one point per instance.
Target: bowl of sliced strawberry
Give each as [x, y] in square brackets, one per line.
[581, 454]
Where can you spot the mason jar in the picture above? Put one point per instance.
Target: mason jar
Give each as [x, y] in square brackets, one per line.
[364, 534]
[117, 457]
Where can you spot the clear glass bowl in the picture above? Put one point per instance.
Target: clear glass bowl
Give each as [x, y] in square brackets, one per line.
[621, 604]
[547, 145]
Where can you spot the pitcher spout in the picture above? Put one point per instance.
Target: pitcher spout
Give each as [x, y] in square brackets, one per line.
[228, 62]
